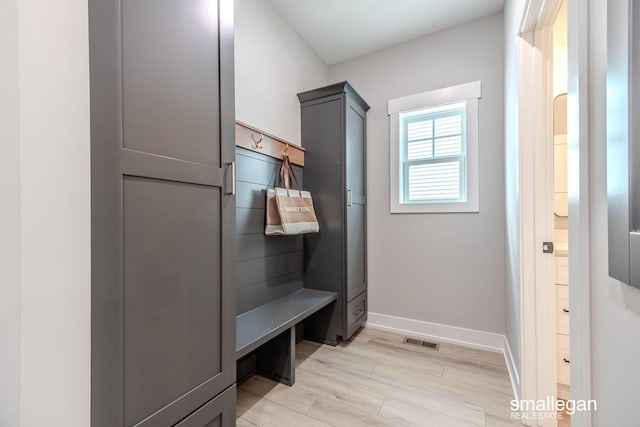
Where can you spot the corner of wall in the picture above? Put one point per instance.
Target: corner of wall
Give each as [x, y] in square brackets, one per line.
[272, 64]
[9, 216]
[513, 11]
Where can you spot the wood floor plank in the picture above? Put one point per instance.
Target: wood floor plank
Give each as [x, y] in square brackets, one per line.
[485, 379]
[359, 337]
[346, 394]
[501, 422]
[498, 411]
[376, 379]
[241, 422]
[416, 395]
[564, 421]
[402, 413]
[297, 398]
[310, 387]
[473, 393]
[408, 360]
[263, 412]
[335, 356]
[335, 414]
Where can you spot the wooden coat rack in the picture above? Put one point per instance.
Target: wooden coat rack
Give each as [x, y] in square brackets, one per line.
[261, 142]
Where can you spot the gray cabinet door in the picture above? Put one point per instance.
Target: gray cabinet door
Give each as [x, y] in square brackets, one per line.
[323, 135]
[163, 304]
[356, 199]
[334, 135]
[219, 412]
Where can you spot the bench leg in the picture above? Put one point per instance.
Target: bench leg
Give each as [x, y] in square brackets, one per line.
[277, 358]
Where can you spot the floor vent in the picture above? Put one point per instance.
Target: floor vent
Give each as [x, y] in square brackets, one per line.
[421, 343]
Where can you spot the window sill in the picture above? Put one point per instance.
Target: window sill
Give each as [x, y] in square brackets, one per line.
[417, 208]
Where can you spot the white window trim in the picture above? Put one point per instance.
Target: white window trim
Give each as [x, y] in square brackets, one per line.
[468, 92]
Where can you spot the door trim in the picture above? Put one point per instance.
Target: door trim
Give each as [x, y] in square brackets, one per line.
[543, 153]
[579, 187]
[536, 16]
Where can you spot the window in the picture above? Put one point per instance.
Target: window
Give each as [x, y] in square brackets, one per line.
[434, 150]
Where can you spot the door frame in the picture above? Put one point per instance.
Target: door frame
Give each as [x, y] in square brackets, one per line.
[537, 325]
[543, 155]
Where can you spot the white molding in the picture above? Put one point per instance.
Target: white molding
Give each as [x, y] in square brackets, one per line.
[435, 97]
[472, 202]
[545, 315]
[445, 333]
[539, 14]
[512, 369]
[526, 213]
[578, 135]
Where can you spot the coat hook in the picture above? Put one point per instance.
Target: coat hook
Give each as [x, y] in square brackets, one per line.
[286, 151]
[257, 144]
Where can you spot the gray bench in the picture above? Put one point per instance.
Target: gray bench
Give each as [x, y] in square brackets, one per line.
[269, 330]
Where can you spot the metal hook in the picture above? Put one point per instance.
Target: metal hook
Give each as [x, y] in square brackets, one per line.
[286, 151]
[257, 144]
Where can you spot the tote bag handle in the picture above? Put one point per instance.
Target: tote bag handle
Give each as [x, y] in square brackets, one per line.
[287, 175]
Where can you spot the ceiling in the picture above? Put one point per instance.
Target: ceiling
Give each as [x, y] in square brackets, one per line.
[343, 29]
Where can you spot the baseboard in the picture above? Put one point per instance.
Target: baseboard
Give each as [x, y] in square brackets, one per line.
[451, 334]
[445, 333]
[511, 367]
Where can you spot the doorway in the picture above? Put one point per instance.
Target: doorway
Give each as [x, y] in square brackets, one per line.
[559, 201]
[551, 216]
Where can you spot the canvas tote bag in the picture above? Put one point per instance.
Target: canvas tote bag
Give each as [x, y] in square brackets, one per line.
[289, 211]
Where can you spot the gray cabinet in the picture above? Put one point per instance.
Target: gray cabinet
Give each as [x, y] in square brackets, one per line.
[163, 218]
[218, 412]
[334, 136]
[623, 145]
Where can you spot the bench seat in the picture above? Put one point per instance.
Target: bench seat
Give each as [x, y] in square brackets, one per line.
[265, 322]
[269, 331]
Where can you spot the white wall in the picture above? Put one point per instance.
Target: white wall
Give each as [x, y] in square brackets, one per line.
[9, 217]
[560, 73]
[441, 268]
[615, 306]
[512, 15]
[45, 181]
[272, 65]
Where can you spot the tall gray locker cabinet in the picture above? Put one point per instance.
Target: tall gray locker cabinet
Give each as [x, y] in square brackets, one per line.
[334, 136]
[163, 213]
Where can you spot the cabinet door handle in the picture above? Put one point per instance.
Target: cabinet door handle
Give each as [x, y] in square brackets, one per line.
[565, 310]
[358, 312]
[566, 360]
[349, 197]
[233, 179]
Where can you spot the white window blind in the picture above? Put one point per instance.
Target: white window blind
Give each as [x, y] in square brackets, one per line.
[433, 161]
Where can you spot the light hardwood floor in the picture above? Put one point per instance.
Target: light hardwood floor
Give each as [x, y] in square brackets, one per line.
[564, 392]
[376, 380]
